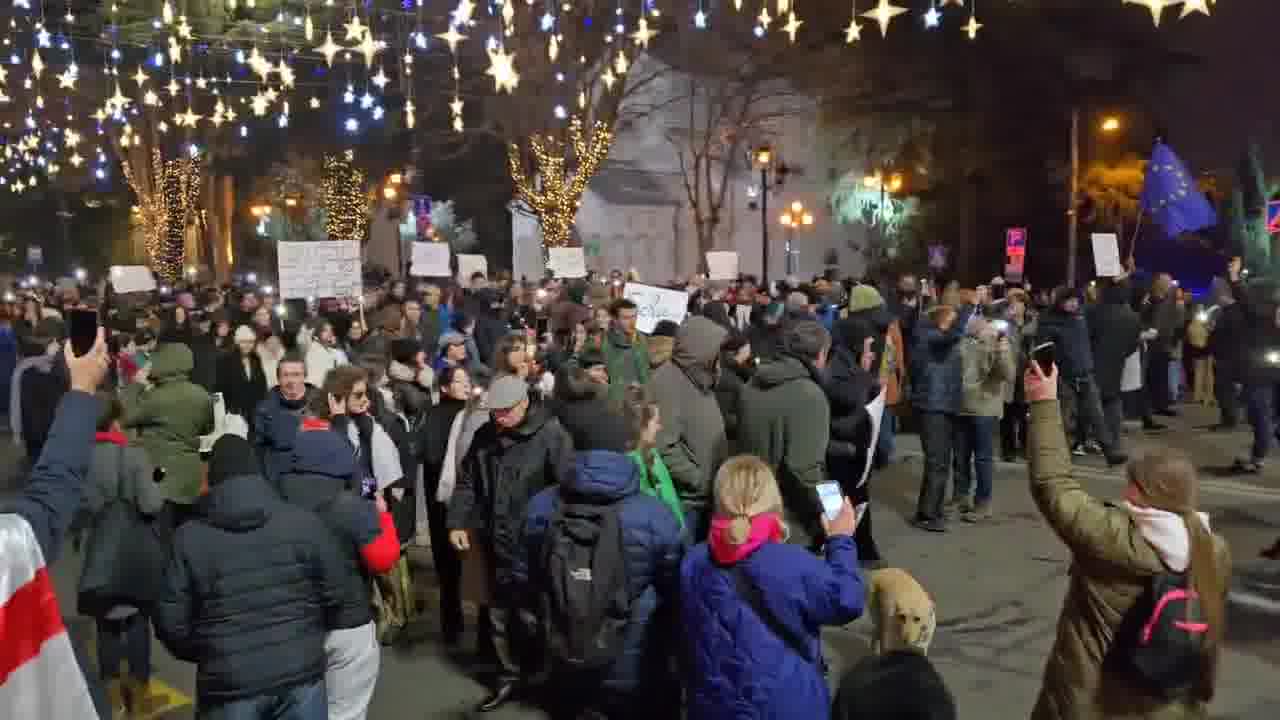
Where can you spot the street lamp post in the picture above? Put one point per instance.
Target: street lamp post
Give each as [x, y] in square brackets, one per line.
[1110, 124]
[795, 218]
[764, 159]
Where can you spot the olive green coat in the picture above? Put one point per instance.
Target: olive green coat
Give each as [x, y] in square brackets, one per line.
[1111, 566]
[168, 420]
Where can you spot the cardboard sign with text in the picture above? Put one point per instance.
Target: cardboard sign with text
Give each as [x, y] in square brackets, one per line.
[319, 269]
[655, 304]
[722, 265]
[567, 262]
[431, 259]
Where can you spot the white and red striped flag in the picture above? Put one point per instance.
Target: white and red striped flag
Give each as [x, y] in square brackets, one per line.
[39, 675]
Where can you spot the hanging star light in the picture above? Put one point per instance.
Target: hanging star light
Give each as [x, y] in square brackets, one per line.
[70, 138]
[271, 94]
[163, 126]
[173, 87]
[37, 64]
[932, 17]
[643, 33]
[139, 76]
[4, 75]
[328, 48]
[150, 99]
[1193, 6]
[380, 79]
[502, 70]
[355, 29]
[462, 14]
[764, 18]
[608, 78]
[166, 13]
[184, 28]
[187, 119]
[455, 107]
[315, 103]
[620, 64]
[286, 74]
[259, 63]
[67, 80]
[452, 38]
[409, 119]
[202, 83]
[369, 47]
[884, 13]
[118, 100]
[76, 160]
[792, 26]
[553, 48]
[1156, 7]
[175, 50]
[308, 28]
[972, 27]
[260, 104]
[508, 14]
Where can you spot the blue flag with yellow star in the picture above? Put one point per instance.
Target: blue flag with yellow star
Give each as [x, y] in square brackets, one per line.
[1170, 195]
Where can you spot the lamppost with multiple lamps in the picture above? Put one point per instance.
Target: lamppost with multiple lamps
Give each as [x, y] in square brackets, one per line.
[795, 218]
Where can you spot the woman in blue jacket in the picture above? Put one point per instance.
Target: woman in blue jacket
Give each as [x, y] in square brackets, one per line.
[753, 606]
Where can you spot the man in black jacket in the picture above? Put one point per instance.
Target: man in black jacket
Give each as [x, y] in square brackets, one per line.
[1227, 344]
[1113, 335]
[250, 589]
[521, 452]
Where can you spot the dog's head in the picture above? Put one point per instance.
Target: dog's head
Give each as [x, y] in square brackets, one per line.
[915, 621]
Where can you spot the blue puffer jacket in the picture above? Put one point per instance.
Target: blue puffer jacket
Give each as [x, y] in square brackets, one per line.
[937, 373]
[653, 543]
[738, 668]
[275, 424]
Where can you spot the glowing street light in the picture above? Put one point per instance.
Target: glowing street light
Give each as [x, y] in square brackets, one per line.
[389, 192]
[81, 274]
[1110, 124]
[795, 218]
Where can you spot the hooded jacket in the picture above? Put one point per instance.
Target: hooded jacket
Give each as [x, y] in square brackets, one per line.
[784, 418]
[627, 359]
[1112, 565]
[502, 471]
[652, 543]
[1113, 337]
[692, 442]
[323, 480]
[1070, 335]
[849, 388]
[249, 592]
[169, 419]
[937, 374]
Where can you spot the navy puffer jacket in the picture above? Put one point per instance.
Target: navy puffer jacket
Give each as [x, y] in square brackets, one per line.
[653, 543]
[937, 374]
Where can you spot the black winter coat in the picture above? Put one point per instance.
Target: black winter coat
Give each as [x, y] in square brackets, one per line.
[242, 393]
[1229, 340]
[849, 388]
[502, 471]
[1113, 337]
[249, 594]
[1070, 336]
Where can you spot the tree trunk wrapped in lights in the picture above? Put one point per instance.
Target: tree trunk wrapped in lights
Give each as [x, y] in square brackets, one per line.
[555, 191]
[167, 197]
[346, 206]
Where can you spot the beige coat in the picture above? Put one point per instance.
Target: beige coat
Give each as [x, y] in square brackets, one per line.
[1111, 566]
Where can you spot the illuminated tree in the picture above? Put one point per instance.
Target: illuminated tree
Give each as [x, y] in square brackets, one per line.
[168, 191]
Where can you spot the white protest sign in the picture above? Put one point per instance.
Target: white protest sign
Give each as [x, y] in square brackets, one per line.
[319, 269]
[1131, 375]
[431, 259]
[722, 265]
[132, 278]
[1106, 255]
[875, 410]
[655, 304]
[567, 262]
[469, 265]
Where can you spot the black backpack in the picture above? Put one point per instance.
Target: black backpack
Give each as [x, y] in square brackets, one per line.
[1162, 639]
[586, 598]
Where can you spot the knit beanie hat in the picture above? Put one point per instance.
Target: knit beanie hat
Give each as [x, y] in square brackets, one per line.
[864, 297]
[665, 328]
[232, 456]
[405, 350]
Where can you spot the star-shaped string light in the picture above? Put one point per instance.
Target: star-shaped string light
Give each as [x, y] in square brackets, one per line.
[972, 27]
[259, 63]
[643, 33]
[37, 64]
[315, 103]
[369, 47]
[328, 48]
[1194, 6]
[462, 14]
[792, 26]
[452, 38]
[173, 87]
[202, 83]
[380, 79]
[175, 50]
[286, 74]
[139, 76]
[184, 28]
[1156, 7]
[150, 99]
[118, 100]
[502, 69]
[932, 18]
[355, 29]
[620, 64]
[608, 78]
[260, 104]
[4, 74]
[187, 119]
[271, 94]
[409, 118]
[76, 160]
[764, 18]
[67, 80]
[884, 13]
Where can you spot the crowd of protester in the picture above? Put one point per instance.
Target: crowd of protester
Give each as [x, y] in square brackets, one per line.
[634, 514]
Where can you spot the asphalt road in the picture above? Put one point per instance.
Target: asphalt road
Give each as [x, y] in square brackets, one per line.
[999, 588]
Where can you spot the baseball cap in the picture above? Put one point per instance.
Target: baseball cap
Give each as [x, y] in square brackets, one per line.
[506, 392]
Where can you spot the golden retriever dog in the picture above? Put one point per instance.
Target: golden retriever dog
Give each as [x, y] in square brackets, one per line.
[901, 611]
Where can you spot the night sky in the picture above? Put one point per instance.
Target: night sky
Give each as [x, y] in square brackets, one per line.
[1236, 94]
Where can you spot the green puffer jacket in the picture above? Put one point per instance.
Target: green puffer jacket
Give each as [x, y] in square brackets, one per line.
[987, 372]
[655, 481]
[1112, 564]
[627, 360]
[168, 418]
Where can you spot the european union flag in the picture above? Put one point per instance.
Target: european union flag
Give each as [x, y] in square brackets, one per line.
[1169, 194]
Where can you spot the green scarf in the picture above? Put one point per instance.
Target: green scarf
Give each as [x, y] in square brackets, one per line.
[658, 483]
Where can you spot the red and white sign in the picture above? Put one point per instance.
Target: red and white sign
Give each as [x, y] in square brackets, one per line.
[1015, 253]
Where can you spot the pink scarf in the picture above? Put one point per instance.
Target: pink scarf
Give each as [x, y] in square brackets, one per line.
[765, 527]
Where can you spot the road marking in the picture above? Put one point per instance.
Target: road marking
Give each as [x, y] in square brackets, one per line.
[161, 700]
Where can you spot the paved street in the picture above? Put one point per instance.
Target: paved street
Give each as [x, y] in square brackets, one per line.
[998, 586]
